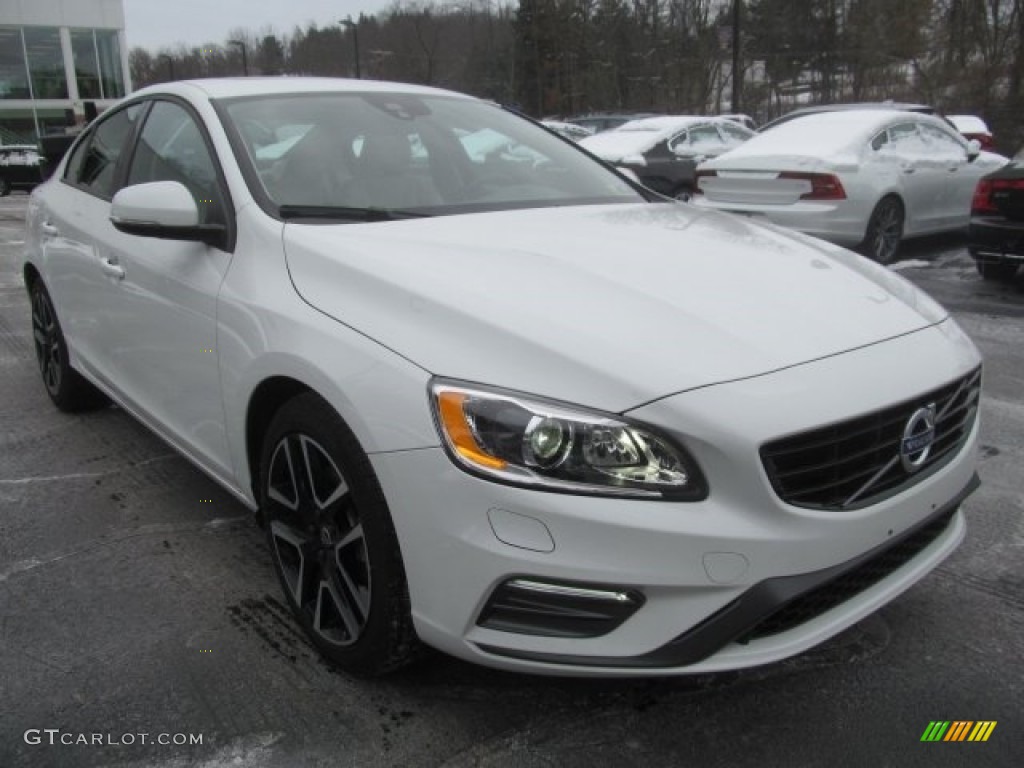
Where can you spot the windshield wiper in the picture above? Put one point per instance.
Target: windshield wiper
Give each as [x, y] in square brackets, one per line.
[344, 213]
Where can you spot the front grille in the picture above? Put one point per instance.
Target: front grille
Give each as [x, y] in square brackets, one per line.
[853, 582]
[857, 462]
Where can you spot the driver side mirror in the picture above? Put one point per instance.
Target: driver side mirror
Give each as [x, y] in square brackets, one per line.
[973, 150]
[165, 210]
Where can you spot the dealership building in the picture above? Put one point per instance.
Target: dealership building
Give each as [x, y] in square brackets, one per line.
[61, 62]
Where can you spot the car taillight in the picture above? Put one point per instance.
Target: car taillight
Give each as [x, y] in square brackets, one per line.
[983, 201]
[702, 175]
[824, 186]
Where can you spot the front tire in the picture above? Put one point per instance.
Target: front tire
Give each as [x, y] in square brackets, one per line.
[65, 386]
[884, 232]
[333, 540]
[997, 270]
[683, 194]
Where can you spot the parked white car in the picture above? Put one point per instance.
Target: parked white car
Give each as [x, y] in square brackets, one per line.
[523, 412]
[866, 178]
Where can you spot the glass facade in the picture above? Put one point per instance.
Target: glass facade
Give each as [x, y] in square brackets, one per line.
[45, 62]
[13, 75]
[32, 70]
[97, 57]
[108, 51]
[87, 71]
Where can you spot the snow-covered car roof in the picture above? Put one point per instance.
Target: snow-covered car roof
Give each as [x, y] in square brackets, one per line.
[638, 136]
[968, 123]
[824, 134]
[569, 130]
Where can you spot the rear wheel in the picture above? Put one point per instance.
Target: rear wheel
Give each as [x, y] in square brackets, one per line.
[333, 541]
[997, 270]
[884, 232]
[65, 386]
[5, 187]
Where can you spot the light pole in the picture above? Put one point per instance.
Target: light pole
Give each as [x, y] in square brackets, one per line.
[170, 63]
[737, 65]
[245, 60]
[354, 26]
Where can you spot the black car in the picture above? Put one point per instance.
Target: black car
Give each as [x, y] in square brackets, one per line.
[663, 152]
[996, 232]
[21, 167]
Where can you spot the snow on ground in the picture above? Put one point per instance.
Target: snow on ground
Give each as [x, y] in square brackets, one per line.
[909, 264]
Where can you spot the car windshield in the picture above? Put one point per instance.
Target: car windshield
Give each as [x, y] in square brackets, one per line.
[331, 155]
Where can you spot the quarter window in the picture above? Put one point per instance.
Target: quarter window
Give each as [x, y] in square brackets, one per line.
[733, 134]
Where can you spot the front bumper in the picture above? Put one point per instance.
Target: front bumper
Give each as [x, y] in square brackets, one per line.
[699, 566]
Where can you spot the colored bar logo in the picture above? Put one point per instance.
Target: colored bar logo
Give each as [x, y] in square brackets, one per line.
[958, 730]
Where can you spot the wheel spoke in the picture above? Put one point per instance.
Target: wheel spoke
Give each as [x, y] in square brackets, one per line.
[352, 562]
[283, 487]
[326, 483]
[332, 610]
[296, 554]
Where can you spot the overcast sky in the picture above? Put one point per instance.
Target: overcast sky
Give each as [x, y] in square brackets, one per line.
[154, 24]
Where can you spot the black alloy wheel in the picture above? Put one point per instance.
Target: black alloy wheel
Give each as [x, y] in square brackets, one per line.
[332, 540]
[65, 386]
[884, 232]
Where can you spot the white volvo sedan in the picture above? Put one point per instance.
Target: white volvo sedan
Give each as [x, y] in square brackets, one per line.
[867, 178]
[516, 411]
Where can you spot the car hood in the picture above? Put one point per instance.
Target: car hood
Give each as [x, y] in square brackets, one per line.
[606, 306]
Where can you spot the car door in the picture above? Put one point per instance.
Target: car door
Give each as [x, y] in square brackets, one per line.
[961, 178]
[161, 334]
[74, 233]
[919, 175]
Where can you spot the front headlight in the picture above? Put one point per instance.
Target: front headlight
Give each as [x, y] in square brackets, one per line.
[526, 441]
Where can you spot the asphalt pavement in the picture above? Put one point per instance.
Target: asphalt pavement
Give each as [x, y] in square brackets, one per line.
[139, 615]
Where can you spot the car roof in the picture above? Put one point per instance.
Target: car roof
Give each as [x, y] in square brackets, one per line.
[899, 106]
[665, 122]
[968, 123]
[827, 133]
[231, 87]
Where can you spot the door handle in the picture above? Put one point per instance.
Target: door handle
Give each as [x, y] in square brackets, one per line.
[49, 230]
[111, 268]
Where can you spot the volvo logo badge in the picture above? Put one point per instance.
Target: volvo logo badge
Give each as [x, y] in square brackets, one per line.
[918, 436]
